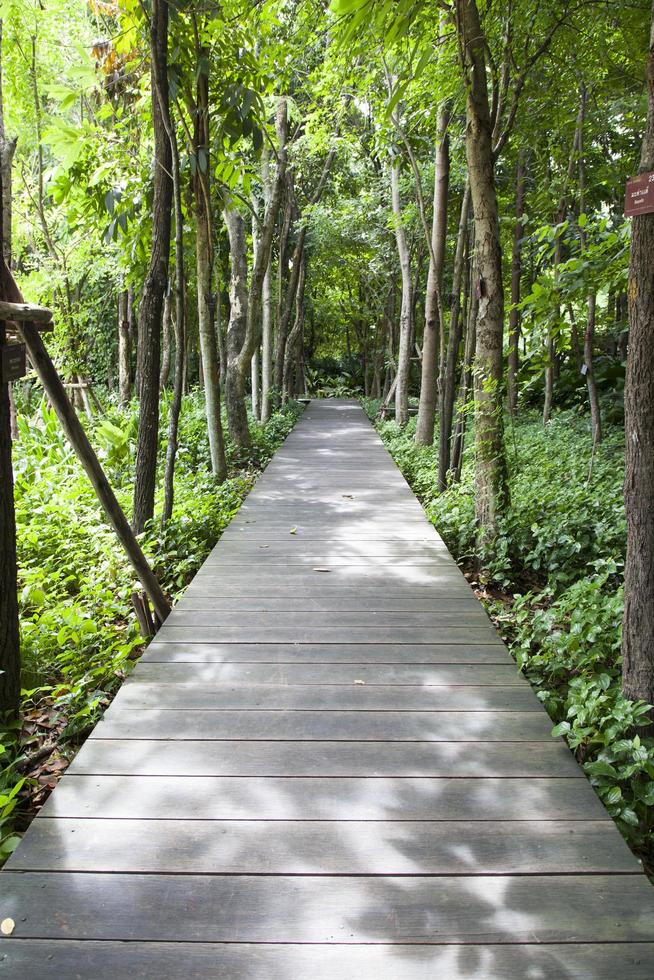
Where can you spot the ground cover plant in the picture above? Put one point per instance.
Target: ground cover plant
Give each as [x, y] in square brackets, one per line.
[553, 582]
[79, 633]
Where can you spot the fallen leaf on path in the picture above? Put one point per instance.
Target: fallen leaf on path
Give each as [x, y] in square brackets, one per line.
[7, 926]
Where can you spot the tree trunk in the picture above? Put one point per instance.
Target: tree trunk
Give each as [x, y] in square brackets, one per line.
[516, 278]
[266, 346]
[638, 623]
[156, 282]
[458, 442]
[9, 625]
[124, 350]
[164, 372]
[589, 334]
[431, 337]
[448, 379]
[491, 485]
[293, 345]
[404, 353]
[204, 267]
[237, 418]
[175, 409]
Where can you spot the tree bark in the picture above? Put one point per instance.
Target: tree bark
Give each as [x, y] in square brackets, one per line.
[156, 282]
[293, 345]
[175, 408]
[589, 333]
[448, 379]
[204, 267]
[466, 386]
[638, 622]
[516, 278]
[266, 304]
[404, 352]
[431, 340]
[9, 624]
[237, 418]
[491, 484]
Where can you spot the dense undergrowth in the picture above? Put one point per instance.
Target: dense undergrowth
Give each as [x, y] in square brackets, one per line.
[79, 635]
[552, 581]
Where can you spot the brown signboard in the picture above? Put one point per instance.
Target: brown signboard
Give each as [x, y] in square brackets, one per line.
[639, 198]
[13, 362]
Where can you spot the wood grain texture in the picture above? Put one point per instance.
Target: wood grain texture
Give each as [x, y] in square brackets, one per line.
[215, 961]
[316, 909]
[344, 653]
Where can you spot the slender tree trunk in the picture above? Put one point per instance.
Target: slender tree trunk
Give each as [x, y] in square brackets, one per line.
[282, 274]
[638, 623]
[166, 352]
[589, 333]
[491, 485]
[266, 346]
[204, 267]
[404, 353]
[9, 626]
[431, 339]
[238, 300]
[466, 387]
[175, 408]
[448, 380]
[516, 278]
[124, 350]
[293, 345]
[156, 282]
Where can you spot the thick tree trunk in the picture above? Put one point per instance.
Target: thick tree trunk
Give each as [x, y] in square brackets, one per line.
[124, 350]
[431, 340]
[638, 623]
[448, 378]
[491, 485]
[404, 353]
[516, 279]
[204, 267]
[156, 282]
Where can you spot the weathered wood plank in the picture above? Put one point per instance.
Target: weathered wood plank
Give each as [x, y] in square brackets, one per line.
[309, 605]
[230, 758]
[375, 726]
[298, 653]
[316, 798]
[324, 847]
[311, 909]
[339, 697]
[467, 615]
[302, 675]
[211, 961]
[248, 633]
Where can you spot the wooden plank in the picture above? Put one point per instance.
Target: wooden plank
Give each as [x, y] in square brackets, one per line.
[343, 604]
[202, 961]
[388, 726]
[315, 798]
[328, 697]
[297, 653]
[314, 909]
[202, 758]
[288, 847]
[313, 675]
[408, 635]
[467, 615]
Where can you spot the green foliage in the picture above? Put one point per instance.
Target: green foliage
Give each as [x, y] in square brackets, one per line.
[554, 578]
[79, 634]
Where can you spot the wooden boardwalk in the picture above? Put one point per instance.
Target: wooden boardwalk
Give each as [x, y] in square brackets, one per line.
[326, 766]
